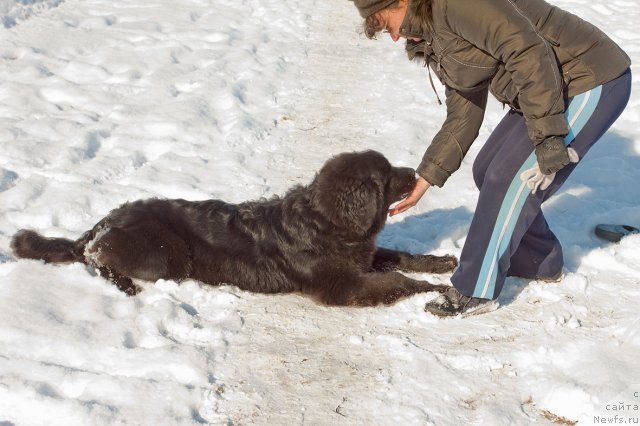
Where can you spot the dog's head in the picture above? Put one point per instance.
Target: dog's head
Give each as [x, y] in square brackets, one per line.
[355, 190]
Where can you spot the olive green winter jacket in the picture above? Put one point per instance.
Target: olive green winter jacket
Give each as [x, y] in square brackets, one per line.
[529, 54]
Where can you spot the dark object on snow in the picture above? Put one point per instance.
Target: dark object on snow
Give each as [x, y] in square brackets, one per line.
[318, 239]
[614, 233]
[452, 303]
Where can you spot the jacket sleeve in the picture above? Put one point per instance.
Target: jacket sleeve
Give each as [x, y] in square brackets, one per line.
[465, 112]
[501, 29]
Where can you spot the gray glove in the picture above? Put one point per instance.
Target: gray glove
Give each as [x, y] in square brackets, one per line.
[535, 179]
[552, 154]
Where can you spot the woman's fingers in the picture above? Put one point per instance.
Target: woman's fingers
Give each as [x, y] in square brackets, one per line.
[412, 199]
[402, 206]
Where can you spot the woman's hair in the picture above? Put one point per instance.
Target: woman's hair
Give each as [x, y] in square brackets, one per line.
[421, 14]
[373, 24]
[420, 20]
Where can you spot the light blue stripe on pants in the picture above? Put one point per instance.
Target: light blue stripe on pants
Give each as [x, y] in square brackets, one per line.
[579, 111]
[506, 208]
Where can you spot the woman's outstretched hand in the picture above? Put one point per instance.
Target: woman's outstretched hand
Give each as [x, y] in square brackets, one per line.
[412, 199]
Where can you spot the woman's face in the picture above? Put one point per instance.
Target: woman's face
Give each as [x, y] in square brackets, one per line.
[392, 19]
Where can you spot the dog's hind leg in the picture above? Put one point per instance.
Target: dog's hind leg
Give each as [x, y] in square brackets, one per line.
[392, 260]
[147, 253]
[124, 284]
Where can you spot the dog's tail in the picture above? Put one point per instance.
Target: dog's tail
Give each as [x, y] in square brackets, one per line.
[28, 244]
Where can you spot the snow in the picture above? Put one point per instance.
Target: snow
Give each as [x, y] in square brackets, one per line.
[106, 102]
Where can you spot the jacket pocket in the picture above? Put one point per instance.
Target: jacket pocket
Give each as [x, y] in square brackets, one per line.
[463, 66]
[466, 76]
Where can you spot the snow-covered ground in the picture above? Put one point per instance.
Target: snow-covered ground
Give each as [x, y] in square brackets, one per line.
[102, 102]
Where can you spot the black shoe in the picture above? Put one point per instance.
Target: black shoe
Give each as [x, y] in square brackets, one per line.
[452, 303]
[614, 233]
[555, 278]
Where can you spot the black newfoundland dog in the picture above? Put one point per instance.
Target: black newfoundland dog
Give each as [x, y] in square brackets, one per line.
[318, 239]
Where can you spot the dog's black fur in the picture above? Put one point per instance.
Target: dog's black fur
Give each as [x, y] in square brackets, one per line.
[318, 239]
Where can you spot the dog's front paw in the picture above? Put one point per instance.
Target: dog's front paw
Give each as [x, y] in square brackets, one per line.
[445, 263]
[440, 288]
[434, 264]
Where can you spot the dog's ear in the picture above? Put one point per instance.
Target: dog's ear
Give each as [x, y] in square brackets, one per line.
[349, 198]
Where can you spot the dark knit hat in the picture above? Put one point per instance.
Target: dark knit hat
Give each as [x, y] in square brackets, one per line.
[369, 7]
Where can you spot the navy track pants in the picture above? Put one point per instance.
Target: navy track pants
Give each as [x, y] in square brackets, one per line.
[509, 234]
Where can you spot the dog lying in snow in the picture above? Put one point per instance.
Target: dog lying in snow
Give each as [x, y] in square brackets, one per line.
[318, 240]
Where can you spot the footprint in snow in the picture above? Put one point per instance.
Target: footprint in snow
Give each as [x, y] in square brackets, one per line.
[7, 179]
